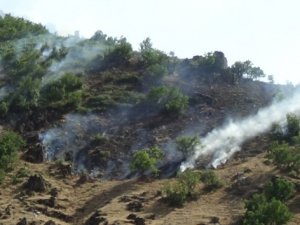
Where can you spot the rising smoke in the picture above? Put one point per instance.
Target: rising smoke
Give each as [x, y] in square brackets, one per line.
[222, 143]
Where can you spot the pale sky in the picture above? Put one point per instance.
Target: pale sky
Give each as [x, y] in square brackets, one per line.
[267, 32]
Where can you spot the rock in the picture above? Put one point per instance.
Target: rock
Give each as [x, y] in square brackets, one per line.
[215, 220]
[97, 219]
[131, 216]
[50, 222]
[36, 183]
[54, 192]
[35, 154]
[52, 202]
[7, 210]
[150, 216]
[139, 221]
[125, 198]
[135, 206]
[22, 222]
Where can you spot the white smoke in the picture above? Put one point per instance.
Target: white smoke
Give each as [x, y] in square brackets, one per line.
[223, 142]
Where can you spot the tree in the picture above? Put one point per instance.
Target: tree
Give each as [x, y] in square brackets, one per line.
[169, 100]
[279, 189]
[260, 211]
[187, 144]
[293, 125]
[10, 144]
[239, 69]
[146, 159]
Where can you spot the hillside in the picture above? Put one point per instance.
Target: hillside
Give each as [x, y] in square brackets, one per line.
[86, 107]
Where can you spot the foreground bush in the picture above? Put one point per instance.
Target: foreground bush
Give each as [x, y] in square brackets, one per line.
[10, 144]
[260, 211]
[280, 189]
[285, 157]
[182, 189]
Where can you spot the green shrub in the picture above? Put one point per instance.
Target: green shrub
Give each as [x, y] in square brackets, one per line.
[210, 179]
[170, 100]
[186, 144]
[279, 189]
[175, 194]
[293, 125]
[260, 211]
[10, 144]
[65, 91]
[146, 159]
[189, 179]
[285, 156]
[155, 73]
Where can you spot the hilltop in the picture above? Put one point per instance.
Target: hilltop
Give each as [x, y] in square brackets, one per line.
[83, 109]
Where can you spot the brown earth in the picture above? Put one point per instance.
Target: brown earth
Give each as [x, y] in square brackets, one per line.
[76, 202]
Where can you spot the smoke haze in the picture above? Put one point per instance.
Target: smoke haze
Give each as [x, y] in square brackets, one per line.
[222, 143]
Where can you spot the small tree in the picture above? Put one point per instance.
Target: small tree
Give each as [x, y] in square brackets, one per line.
[279, 189]
[260, 211]
[175, 193]
[210, 179]
[170, 100]
[190, 179]
[186, 144]
[293, 125]
[10, 144]
[145, 160]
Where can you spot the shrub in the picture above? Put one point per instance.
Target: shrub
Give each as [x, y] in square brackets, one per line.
[176, 194]
[285, 156]
[210, 179]
[146, 159]
[170, 100]
[154, 73]
[293, 125]
[10, 144]
[189, 179]
[186, 144]
[279, 189]
[65, 91]
[260, 211]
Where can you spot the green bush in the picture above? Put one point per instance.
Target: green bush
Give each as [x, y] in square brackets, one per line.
[189, 179]
[154, 73]
[279, 189]
[210, 179]
[293, 125]
[170, 100]
[65, 91]
[187, 144]
[284, 156]
[10, 144]
[175, 193]
[260, 211]
[146, 159]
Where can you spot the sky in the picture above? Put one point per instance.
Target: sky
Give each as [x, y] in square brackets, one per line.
[266, 32]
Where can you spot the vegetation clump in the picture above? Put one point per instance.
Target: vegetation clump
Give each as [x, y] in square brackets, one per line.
[187, 144]
[169, 100]
[145, 160]
[269, 207]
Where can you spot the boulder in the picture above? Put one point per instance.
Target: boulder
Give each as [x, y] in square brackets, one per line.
[97, 219]
[35, 183]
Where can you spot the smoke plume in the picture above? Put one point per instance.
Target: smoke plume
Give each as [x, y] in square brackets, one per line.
[222, 143]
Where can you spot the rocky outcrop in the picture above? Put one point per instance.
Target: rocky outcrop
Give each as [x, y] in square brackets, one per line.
[36, 183]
